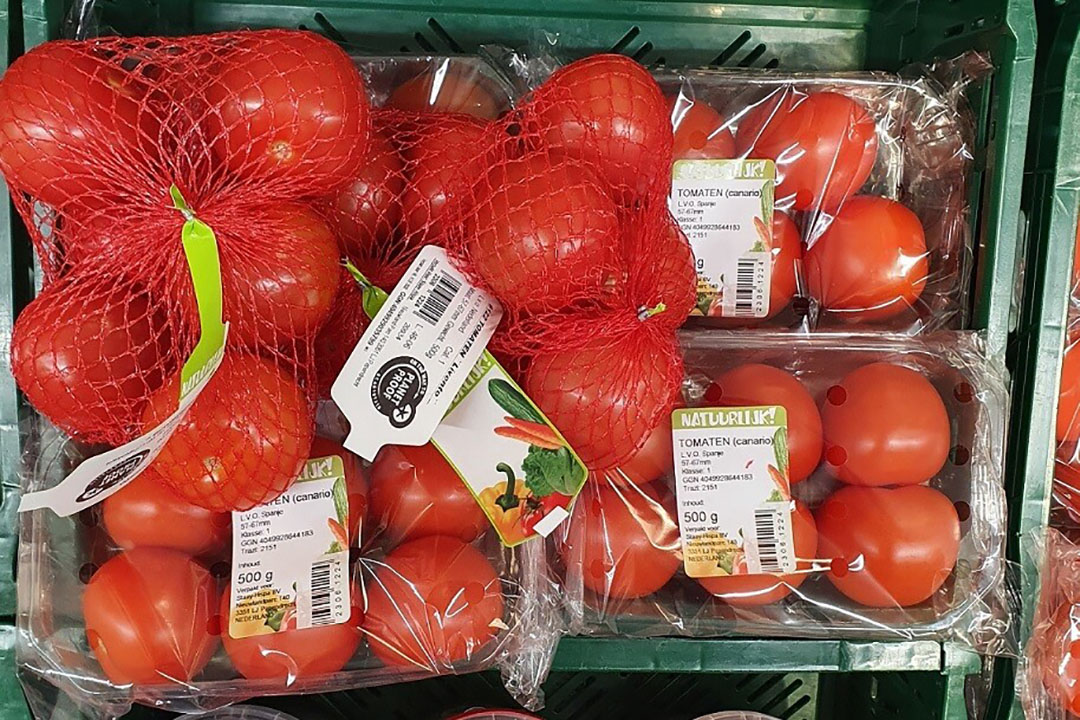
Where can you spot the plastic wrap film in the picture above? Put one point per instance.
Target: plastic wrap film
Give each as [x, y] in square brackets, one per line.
[1066, 492]
[893, 484]
[128, 602]
[1048, 678]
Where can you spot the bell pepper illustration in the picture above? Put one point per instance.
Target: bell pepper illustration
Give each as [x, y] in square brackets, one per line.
[505, 502]
[538, 508]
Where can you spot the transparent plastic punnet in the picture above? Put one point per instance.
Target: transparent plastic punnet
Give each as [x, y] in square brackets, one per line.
[128, 601]
[870, 226]
[891, 477]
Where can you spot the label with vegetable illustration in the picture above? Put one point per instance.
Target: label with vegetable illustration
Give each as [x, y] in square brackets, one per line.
[422, 343]
[731, 482]
[98, 477]
[520, 469]
[725, 209]
[291, 556]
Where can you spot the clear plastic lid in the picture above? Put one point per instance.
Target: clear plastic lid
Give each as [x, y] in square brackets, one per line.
[241, 712]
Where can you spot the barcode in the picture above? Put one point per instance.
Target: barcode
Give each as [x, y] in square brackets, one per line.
[746, 280]
[765, 528]
[322, 613]
[435, 304]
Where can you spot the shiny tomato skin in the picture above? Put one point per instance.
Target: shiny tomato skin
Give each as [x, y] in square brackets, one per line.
[871, 263]
[288, 106]
[624, 539]
[434, 602]
[824, 145]
[884, 425]
[1067, 426]
[243, 441]
[443, 90]
[56, 138]
[766, 588]
[286, 292]
[344, 327]
[355, 482]
[605, 397]
[672, 275]
[653, 460]
[542, 232]
[148, 513]
[608, 113]
[1055, 651]
[367, 209]
[416, 493]
[756, 384]
[443, 159]
[87, 353]
[700, 132]
[294, 654]
[149, 616]
[908, 537]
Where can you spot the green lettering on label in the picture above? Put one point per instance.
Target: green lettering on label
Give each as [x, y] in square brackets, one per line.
[762, 416]
[204, 263]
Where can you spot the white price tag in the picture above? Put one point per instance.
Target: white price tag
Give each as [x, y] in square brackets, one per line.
[403, 375]
[725, 209]
[731, 482]
[291, 556]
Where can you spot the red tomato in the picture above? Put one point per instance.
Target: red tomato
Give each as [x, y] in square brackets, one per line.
[755, 384]
[367, 209]
[339, 334]
[871, 263]
[745, 590]
[242, 442]
[542, 233]
[433, 602]
[294, 654]
[605, 397]
[824, 145]
[905, 541]
[607, 112]
[288, 105]
[654, 459]
[415, 493]
[87, 353]
[61, 140]
[445, 90]
[1068, 422]
[440, 163]
[1056, 651]
[147, 513]
[149, 617]
[700, 132]
[885, 424]
[355, 483]
[669, 273]
[287, 290]
[624, 539]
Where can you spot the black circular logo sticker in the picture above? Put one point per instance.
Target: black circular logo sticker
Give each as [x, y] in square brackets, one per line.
[112, 477]
[398, 388]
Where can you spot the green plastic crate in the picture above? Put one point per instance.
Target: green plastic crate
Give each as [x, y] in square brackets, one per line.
[1050, 202]
[842, 679]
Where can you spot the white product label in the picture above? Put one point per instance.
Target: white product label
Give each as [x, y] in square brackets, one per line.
[725, 209]
[402, 376]
[516, 464]
[291, 556]
[731, 481]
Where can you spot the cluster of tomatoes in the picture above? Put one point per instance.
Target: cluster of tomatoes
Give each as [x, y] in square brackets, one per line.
[883, 537]
[155, 612]
[866, 257]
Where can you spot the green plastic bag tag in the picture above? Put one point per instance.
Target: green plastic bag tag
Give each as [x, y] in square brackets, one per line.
[98, 477]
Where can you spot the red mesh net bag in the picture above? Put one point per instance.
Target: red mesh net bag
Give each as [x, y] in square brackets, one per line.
[567, 225]
[254, 129]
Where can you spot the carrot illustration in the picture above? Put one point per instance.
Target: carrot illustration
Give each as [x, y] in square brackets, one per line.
[339, 533]
[781, 481]
[515, 434]
[764, 233]
[540, 430]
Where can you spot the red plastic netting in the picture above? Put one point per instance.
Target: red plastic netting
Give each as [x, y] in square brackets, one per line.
[568, 227]
[255, 129]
